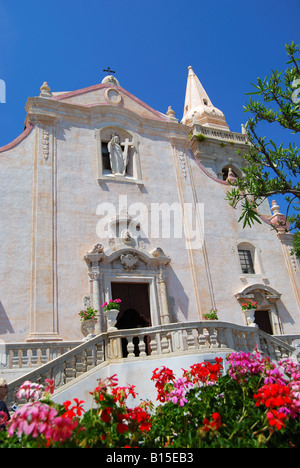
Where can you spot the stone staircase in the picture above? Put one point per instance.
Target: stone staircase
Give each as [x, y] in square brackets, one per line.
[176, 340]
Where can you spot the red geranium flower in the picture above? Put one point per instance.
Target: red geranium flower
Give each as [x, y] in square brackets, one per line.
[276, 419]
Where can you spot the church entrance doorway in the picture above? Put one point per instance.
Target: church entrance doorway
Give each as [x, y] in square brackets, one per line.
[134, 310]
[262, 319]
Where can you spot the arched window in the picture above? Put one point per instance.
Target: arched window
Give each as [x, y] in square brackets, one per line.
[230, 169]
[247, 258]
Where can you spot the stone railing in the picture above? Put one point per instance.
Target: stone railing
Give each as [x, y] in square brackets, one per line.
[292, 340]
[65, 368]
[231, 137]
[16, 356]
[148, 343]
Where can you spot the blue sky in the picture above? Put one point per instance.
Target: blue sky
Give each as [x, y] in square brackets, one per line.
[150, 44]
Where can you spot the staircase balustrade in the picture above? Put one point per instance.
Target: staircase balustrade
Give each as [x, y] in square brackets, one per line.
[143, 344]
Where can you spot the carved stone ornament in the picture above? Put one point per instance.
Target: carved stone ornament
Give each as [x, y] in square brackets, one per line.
[126, 236]
[86, 301]
[129, 261]
[45, 144]
[98, 248]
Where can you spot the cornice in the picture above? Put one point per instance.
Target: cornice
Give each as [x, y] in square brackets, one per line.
[17, 140]
[41, 109]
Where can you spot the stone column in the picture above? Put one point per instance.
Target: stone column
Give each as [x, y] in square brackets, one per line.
[96, 299]
[164, 307]
[93, 259]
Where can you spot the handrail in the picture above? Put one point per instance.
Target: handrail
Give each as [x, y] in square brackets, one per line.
[66, 367]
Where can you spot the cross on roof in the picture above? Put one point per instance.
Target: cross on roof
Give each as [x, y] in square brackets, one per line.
[109, 70]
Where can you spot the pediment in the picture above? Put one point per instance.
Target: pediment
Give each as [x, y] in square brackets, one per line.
[127, 256]
[109, 95]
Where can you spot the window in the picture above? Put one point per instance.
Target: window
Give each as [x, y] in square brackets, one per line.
[246, 261]
[105, 156]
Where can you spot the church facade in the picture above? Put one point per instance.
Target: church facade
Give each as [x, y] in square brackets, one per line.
[103, 197]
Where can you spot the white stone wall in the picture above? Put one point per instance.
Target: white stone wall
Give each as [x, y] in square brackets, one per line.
[49, 198]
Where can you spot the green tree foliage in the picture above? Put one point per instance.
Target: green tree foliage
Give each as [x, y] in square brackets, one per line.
[272, 168]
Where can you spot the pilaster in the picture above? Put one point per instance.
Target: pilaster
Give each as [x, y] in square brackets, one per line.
[193, 215]
[44, 307]
[292, 262]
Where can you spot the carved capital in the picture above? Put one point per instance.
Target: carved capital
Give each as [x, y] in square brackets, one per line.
[94, 275]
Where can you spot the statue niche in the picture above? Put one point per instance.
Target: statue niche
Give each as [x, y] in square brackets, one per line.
[118, 156]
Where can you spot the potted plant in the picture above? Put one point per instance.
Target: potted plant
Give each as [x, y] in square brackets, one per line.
[111, 310]
[88, 322]
[248, 308]
[211, 315]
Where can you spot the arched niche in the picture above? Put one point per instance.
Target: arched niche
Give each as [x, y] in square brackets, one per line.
[266, 310]
[129, 146]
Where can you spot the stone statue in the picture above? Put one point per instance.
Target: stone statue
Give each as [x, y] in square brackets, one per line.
[118, 158]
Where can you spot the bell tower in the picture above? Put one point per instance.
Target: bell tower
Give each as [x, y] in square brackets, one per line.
[213, 144]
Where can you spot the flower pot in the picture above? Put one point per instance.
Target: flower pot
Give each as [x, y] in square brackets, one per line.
[88, 329]
[250, 317]
[111, 318]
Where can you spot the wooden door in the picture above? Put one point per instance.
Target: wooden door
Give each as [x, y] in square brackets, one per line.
[135, 306]
[262, 319]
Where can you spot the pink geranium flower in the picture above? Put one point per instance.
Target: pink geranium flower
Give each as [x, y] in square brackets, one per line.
[30, 391]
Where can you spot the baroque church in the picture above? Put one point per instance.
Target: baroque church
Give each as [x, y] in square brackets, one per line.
[103, 197]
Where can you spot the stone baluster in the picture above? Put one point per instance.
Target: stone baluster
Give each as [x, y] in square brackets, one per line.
[33, 359]
[263, 346]
[165, 345]
[15, 358]
[142, 347]
[252, 340]
[213, 338]
[238, 340]
[190, 339]
[80, 363]
[24, 356]
[63, 372]
[201, 338]
[221, 337]
[70, 372]
[130, 347]
[153, 344]
[100, 352]
[90, 357]
[44, 355]
[229, 338]
[277, 351]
